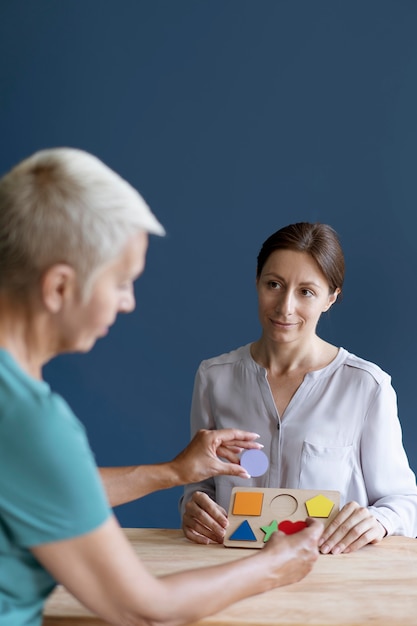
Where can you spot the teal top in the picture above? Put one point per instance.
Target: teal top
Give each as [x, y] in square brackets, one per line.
[50, 488]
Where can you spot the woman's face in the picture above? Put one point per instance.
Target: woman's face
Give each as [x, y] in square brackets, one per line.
[292, 294]
[111, 293]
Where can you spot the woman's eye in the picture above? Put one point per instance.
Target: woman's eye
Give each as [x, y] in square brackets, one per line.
[274, 285]
[307, 293]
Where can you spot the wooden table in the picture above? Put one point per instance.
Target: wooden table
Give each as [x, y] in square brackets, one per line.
[376, 585]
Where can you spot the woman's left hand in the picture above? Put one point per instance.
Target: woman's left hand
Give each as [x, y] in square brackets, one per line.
[352, 528]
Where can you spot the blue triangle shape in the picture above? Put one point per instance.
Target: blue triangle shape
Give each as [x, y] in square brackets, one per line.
[243, 533]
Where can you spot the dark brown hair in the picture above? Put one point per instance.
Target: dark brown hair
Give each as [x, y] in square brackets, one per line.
[318, 240]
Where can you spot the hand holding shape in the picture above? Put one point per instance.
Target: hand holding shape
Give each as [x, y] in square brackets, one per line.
[201, 458]
[295, 554]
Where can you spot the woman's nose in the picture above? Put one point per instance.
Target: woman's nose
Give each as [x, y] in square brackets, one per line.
[128, 302]
[286, 303]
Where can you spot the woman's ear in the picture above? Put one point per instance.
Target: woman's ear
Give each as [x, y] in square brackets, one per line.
[332, 299]
[57, 284]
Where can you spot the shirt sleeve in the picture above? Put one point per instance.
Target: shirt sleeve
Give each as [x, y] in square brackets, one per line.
[201, 417]
[51, 488]
[390, 482]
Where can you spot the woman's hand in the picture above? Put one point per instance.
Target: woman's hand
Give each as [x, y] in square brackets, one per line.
[352, 528]
[201, 458]
[198, 461]
[293, 555]
[204, 521]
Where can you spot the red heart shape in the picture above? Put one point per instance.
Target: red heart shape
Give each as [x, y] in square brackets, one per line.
[289, 528]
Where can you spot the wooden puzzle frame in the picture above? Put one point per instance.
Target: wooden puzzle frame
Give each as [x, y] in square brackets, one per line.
[252, 508]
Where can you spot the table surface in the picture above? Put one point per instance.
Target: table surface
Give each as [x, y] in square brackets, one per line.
[376, 585]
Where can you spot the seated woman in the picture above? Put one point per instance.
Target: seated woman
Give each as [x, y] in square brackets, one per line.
[327, 418]
[73, 238]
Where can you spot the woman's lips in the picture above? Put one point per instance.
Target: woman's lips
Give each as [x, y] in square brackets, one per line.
[283, 324]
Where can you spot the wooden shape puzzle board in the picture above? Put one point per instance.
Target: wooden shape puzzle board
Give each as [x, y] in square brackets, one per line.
[258, 507]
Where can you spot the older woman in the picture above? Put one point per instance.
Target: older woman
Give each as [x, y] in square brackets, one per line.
[328, 419]
[73, 238]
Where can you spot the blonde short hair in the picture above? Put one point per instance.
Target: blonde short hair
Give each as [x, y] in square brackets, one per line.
[64, 205]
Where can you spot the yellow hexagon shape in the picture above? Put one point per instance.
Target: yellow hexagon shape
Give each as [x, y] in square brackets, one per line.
[319, 506]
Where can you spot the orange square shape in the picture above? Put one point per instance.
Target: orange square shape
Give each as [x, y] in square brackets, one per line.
[248, 503]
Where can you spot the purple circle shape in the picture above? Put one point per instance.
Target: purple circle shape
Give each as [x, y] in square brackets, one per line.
[255, 462]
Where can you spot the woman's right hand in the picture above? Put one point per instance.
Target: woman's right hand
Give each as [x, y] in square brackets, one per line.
[293, 556]
[204, 521]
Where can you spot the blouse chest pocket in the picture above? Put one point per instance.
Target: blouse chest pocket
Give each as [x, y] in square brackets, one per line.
[325, 467]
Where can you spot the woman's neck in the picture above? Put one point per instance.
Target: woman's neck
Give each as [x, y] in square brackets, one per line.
[19, 335]
[286, 358]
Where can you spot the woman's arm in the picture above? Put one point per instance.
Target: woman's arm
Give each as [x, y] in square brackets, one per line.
[390, 483]
[199, 460]
[102, 571]
[203, 520]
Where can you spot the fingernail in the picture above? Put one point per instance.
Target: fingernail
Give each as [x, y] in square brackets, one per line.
[324, 549]
[336, 550]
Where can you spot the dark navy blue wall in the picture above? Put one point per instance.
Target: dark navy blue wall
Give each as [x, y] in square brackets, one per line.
[233, 118]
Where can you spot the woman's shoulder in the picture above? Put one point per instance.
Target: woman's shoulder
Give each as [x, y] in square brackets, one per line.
[241, 354]
[364, 366]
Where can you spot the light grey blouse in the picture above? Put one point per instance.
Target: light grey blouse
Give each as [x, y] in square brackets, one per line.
[341, 432]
